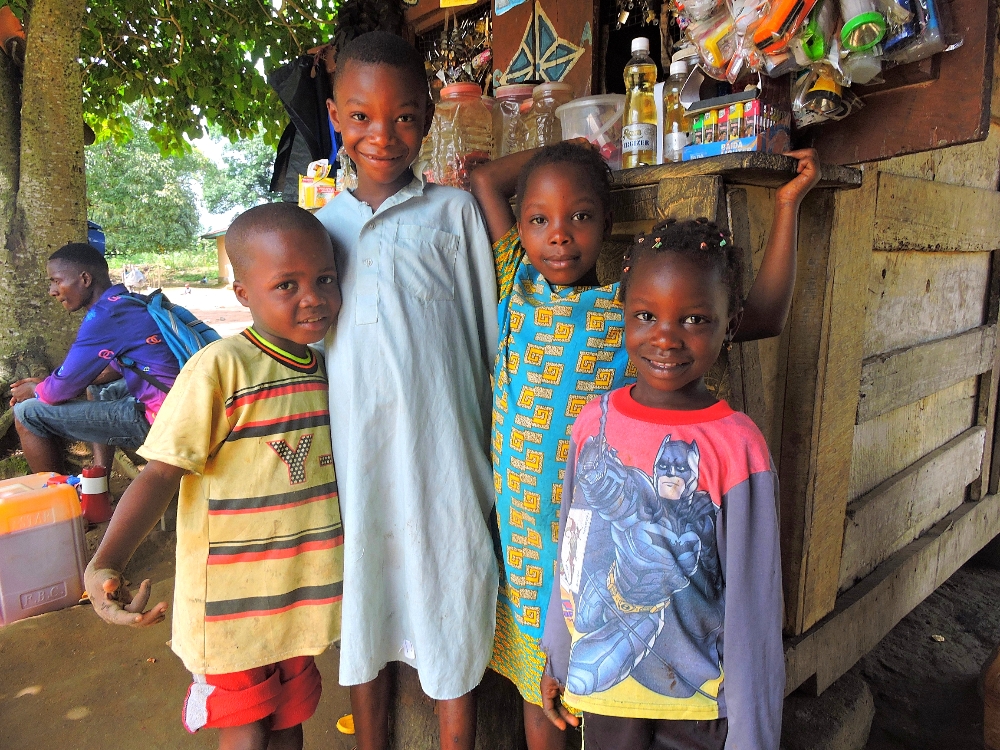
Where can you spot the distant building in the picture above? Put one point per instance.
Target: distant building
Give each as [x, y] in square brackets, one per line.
[225, 267]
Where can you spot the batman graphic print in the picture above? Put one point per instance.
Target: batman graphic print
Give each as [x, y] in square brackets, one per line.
[668, 601]
[655, 565]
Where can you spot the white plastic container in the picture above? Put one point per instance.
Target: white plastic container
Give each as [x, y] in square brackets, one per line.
[599, 120]
[42, 548]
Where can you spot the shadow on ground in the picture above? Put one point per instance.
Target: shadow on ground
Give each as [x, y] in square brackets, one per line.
[925, 688]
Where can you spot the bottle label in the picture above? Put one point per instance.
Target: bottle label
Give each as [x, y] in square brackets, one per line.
[674, 143]
[638, 137]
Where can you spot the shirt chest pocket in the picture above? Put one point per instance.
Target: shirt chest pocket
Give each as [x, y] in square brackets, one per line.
[423, 262]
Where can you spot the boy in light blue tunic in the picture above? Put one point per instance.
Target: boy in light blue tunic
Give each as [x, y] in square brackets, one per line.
[410, 397]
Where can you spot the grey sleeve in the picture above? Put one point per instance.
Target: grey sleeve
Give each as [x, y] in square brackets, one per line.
[556, 640]
[753, 657]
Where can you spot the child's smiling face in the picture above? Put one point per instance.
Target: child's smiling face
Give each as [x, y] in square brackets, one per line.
[290, 287]
[562, 225]
[383, 114]
[676, 320]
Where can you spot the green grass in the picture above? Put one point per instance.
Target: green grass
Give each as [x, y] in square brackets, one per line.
[173, 268]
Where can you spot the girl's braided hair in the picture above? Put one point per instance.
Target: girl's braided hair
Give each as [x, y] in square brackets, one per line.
[596, 171]
[701, 240]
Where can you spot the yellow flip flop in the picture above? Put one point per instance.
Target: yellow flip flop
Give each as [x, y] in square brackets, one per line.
[345, 724]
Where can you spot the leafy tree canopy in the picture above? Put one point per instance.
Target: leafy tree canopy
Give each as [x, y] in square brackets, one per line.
[244, 180]
[144, 201]
[193, 62]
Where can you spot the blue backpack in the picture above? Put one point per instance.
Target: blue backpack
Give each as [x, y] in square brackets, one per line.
[181, 331]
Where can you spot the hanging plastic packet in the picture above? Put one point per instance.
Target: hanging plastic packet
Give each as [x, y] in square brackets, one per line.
[935, 34]
[818, 96]
[775, 30]
[716, 41]
[813, 42]
[900, 32]
[698, 10]
[863, 27]
[862, 67]
[897, 12]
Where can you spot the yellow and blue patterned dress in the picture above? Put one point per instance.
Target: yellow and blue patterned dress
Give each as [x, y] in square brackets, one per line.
[560, 347]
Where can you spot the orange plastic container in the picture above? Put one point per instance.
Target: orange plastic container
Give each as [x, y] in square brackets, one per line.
[42, 547]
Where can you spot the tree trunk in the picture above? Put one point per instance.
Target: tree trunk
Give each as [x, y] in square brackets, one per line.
[42, 186]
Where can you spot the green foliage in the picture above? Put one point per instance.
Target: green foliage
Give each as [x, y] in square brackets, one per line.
[194, 62]
[173, 268]
[144, 201]
[244, 181]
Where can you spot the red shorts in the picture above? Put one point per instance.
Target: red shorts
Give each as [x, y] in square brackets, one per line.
[288, 692]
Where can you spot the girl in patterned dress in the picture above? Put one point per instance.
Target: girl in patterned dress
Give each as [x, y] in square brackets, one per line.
[561, 344]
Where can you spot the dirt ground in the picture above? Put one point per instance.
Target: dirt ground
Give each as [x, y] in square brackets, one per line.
[925, 688]
[217, 307]
[70, 681]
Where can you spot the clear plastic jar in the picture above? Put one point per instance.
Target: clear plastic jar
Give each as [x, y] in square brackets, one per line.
[460, 138]
[508, 125]
[542, 124]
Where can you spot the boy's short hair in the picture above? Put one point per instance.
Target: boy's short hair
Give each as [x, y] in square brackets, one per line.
[265, 219]
[382, 48]
[85, 257]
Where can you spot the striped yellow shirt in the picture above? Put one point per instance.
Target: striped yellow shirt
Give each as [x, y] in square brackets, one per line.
[259, 536]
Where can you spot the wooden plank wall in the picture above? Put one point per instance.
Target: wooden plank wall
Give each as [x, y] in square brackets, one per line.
[924, 435]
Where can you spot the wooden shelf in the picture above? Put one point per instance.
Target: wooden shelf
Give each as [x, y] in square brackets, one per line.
[747, 168]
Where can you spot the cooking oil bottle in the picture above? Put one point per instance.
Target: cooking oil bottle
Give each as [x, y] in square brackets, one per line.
[639, 130]
[676, 123]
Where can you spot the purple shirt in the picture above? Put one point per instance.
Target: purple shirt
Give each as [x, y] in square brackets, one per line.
[114, 326]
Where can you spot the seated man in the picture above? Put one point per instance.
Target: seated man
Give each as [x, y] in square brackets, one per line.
[48, 410]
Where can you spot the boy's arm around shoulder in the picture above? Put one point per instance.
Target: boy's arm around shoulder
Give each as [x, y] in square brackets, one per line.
[770, 298]
[142, 505]
[753, 662]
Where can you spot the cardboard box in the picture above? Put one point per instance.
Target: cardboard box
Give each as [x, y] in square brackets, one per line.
[757, 118]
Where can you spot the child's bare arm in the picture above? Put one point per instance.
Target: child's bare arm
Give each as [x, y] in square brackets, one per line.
[142, 505]
[493, 185]
[770, 297]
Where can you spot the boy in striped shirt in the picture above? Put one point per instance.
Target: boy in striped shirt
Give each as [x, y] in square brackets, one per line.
[245, 435]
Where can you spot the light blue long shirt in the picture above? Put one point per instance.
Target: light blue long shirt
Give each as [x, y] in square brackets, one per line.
[410, 395]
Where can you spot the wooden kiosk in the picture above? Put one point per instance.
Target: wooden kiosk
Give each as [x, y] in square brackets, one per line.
[879, 399]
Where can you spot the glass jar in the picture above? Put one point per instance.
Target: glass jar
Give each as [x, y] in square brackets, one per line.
[543, 127]
[460, 138]
[508, 125]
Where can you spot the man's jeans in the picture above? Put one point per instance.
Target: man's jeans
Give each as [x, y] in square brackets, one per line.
[116, 418]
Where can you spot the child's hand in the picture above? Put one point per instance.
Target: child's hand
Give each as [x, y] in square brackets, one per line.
[808, 175]
[552, 705]
[113, 602]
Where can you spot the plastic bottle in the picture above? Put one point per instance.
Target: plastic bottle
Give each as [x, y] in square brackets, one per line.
[639, 129]
[461, 136]
[507, 121]
[543, 126]
[676, 124]
[94, 497]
